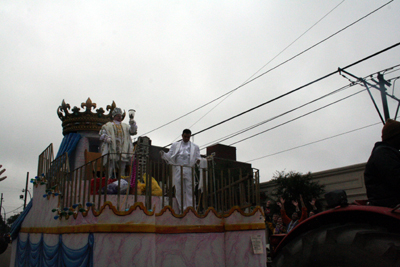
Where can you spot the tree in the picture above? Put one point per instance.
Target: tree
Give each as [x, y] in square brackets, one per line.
[1, 172]
[12, 219]
[293, 184]
[3, 225]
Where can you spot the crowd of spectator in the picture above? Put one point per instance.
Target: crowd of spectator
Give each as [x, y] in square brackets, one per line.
[281, 222]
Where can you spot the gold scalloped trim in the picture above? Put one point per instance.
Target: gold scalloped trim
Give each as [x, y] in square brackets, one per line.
[143, 228]
[238, 209]
[151, 213]
[114, 210]
[211, 209]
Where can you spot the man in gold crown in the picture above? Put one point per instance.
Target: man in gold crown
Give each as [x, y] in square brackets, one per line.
[116, 138]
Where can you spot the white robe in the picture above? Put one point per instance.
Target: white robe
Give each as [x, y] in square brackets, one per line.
[178, 156]
[123, 146]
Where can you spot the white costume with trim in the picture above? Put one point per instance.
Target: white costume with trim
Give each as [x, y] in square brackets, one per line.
[186, 155]
[116, 137]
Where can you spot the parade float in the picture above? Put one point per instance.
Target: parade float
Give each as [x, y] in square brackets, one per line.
[73, 220]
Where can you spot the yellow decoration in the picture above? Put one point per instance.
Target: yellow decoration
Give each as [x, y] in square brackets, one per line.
[155, 188]
[141, 188]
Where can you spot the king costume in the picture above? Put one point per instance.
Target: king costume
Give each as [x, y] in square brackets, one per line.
[184, 154]
[116, 137]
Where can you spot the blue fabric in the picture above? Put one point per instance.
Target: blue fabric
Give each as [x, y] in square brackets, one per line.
[16, 226]
[68, 144]
[51, 255]
[80, 257]
[34, 252]
[40, 254]
[21, 253]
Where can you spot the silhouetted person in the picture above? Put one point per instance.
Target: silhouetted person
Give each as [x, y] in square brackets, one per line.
[382, 172]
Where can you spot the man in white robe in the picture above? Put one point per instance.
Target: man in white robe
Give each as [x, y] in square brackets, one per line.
[187, 154]
[116, 137]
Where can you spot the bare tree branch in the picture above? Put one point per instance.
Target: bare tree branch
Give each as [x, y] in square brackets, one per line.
[1, 172]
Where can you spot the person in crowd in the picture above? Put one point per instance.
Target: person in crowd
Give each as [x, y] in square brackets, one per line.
[187, 154]
[275, 217]
[382, 172]
[267, 210]
[271, 224]
[275, 227]
[116, 140]
[314, 208]
[294, 221]
[279, 227]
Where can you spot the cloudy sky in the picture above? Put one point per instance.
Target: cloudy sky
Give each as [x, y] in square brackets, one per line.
[168, 58]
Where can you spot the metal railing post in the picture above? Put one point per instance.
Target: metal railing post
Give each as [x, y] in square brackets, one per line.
[193, 193]
[136, 177]
[204, 191]
[170, 185]
[181, 208]
[163, 172]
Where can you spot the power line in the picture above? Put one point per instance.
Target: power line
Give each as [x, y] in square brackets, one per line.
[205, 114]
[211, 110]
[15, 209]
[283, 50]
[299, 37]
[293, 148]
[304, 114]
[387, 70]
[352, 83]
[297, 89]
[301, 116]
[284, 62]
[275, 117]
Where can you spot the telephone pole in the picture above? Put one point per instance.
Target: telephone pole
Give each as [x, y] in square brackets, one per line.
[26, 189]
[1, 206]
[380, 85]
[382, 82]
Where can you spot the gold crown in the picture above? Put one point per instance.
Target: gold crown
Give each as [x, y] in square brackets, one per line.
[86, 120]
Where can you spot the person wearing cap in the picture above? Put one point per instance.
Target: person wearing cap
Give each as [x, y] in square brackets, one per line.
[382, 172]
[116, 140]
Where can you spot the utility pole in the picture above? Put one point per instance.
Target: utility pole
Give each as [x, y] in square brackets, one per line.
[1, 204]
[26, 188]
[382, 82]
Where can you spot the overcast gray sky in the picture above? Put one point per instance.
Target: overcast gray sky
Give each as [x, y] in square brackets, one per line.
[166, 58]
